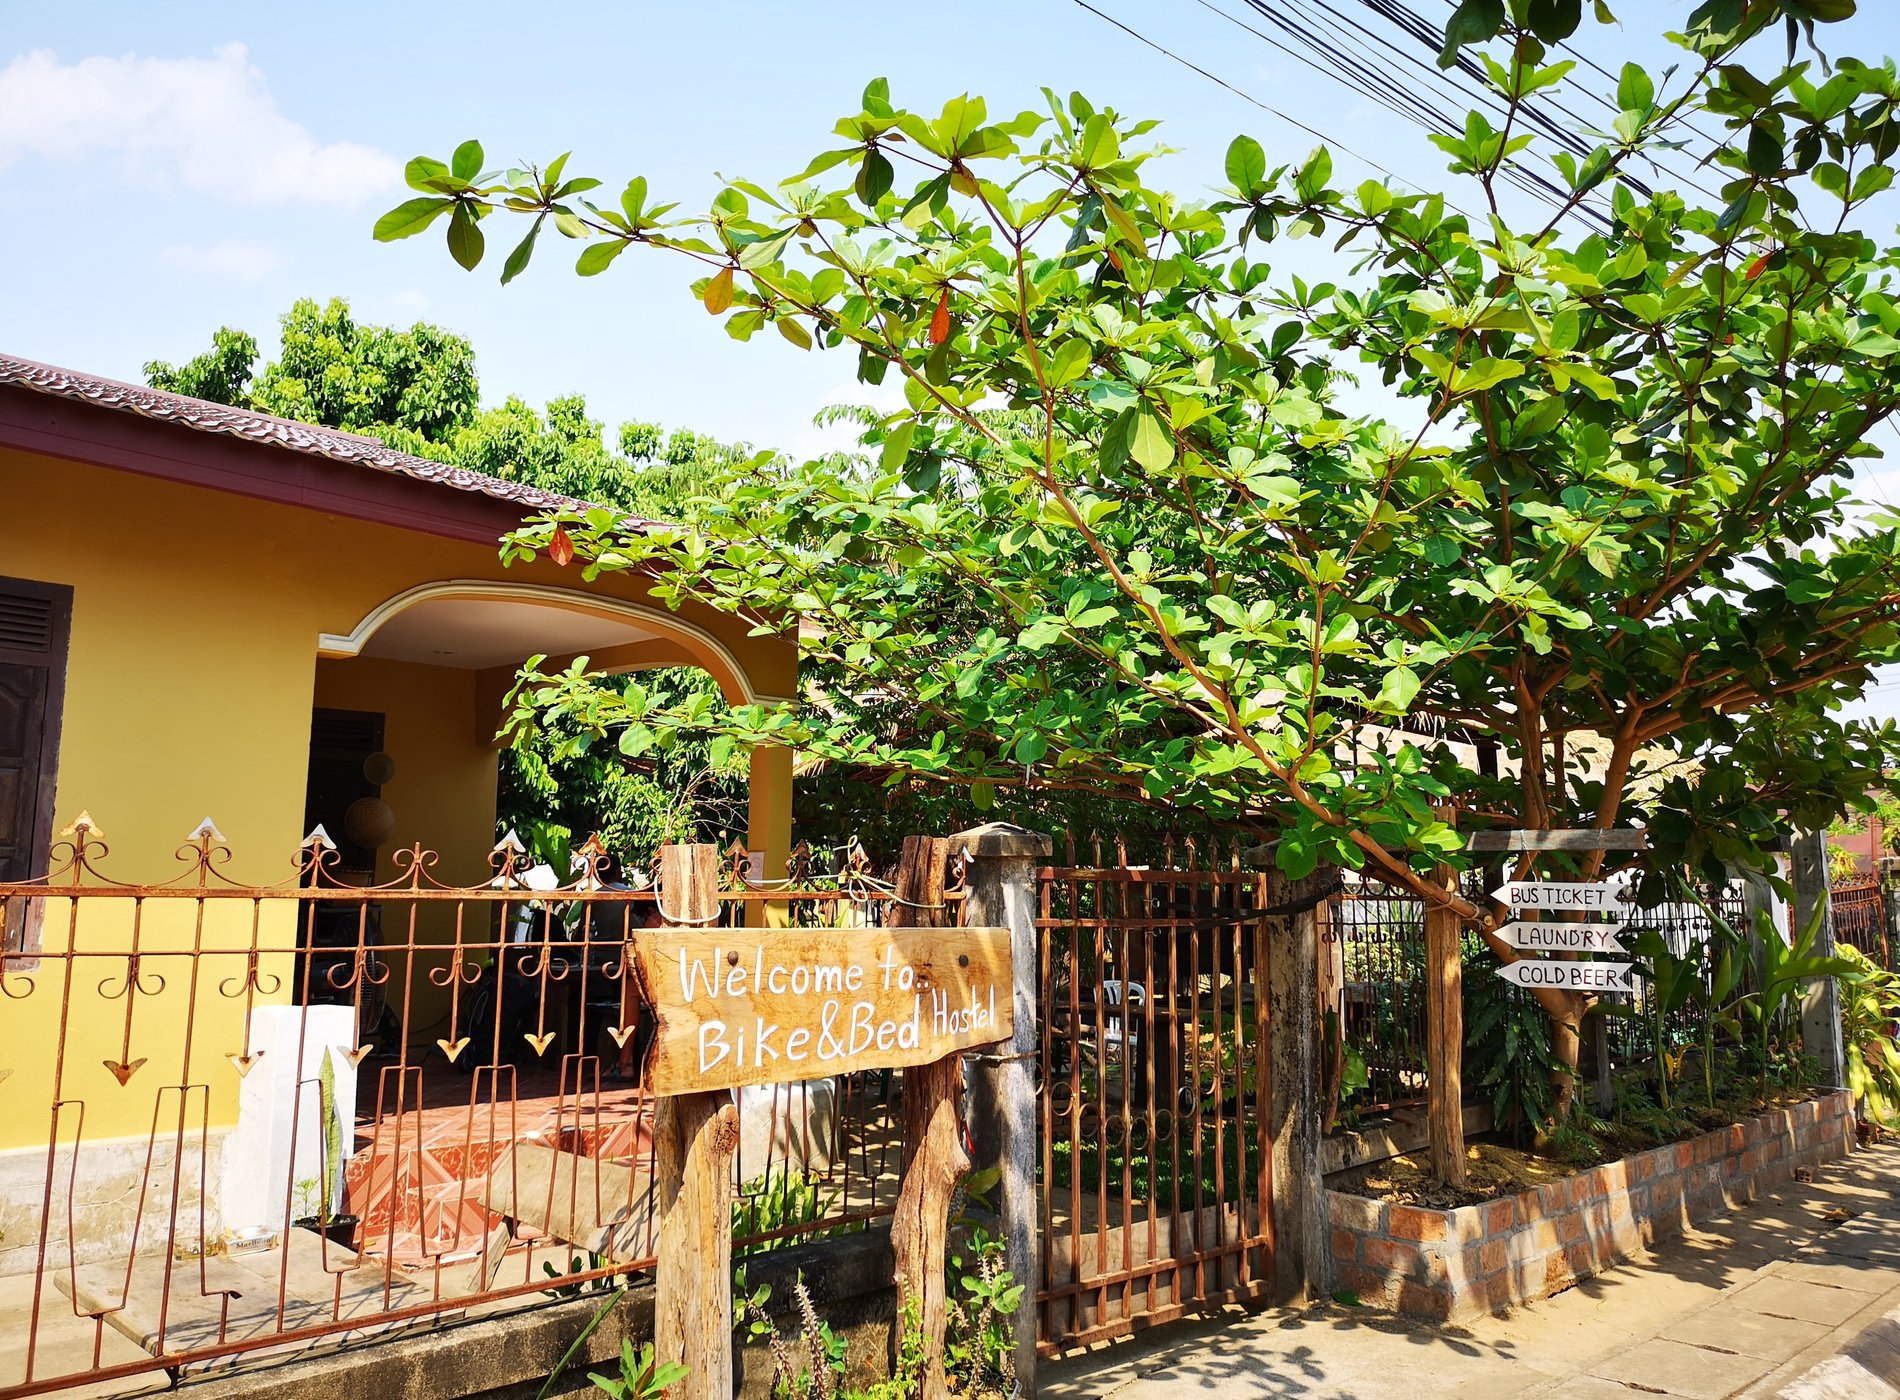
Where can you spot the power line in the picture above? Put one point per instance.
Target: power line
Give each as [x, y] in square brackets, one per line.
[1243, 96]
[1343, 57]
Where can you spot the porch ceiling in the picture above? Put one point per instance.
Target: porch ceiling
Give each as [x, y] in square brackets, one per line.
[479, 633]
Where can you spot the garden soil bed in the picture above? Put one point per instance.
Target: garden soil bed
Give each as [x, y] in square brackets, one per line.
[1495, 1169]
[1471, 1259]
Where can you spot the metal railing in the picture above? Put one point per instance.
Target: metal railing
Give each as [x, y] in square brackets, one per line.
[243, 1118]
[1154, 1135]
[1372, 989]
[1860, 920]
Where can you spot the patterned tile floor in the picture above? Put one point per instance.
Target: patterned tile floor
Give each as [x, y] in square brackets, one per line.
[417, 1175]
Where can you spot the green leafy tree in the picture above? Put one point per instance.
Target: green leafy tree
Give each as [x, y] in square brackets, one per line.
[1124, 536]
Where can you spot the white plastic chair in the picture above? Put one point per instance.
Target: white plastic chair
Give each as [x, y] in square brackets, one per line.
[1118, 996]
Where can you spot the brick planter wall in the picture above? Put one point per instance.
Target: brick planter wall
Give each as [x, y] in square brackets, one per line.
[1451, 1264]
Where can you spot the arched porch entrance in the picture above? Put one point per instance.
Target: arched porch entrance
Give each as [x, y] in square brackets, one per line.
[419, 682]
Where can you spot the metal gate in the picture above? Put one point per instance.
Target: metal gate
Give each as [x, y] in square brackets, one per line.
[1155, 1154]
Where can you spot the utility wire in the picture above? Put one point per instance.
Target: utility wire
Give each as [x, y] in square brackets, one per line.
[1362, 71]
[1243, 96]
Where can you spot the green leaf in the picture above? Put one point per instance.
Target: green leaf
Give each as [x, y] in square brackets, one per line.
[518, 259]
[426, 173]
[596, 257]
[411, 217]
[1473, 22]
[1124, 225]
[897, 445]
[466, 163]
[1634, 90]
[1765, 156]
[1068, 363]
[465, 237]
[1246, 164]
[1397, 689]
[1149, 441]
[1553, 21]
[874, 176]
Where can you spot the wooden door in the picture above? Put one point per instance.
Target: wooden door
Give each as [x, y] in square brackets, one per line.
[34, 621]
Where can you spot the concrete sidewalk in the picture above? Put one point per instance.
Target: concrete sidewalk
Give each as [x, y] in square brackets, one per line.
[1797, 1295]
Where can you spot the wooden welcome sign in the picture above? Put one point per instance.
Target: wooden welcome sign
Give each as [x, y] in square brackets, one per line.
[735, 1007]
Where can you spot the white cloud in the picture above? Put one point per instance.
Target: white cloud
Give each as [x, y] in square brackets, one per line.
[239, 260]
[208, 125]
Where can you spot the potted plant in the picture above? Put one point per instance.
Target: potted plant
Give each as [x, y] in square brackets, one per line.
[325, 1219]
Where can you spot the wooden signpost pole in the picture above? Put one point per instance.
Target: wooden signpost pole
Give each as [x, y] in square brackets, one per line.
[694, 1138]
[934, 1159]
[1445, 1037]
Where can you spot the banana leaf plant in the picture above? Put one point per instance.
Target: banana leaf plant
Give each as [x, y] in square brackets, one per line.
[1870, 1011]
[1786, 969]
[1673, 982]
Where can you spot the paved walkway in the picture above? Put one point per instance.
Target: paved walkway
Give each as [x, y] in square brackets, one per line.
[1797, 1295]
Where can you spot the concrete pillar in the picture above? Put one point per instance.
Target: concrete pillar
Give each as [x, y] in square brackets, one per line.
[769, 808]
[1821, 1009]
[1000, 892]
[1295, 1117]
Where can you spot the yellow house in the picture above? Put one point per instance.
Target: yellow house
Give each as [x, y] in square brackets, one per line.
[207, 613]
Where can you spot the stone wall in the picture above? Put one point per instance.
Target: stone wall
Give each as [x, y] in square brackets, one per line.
[1452, 1264]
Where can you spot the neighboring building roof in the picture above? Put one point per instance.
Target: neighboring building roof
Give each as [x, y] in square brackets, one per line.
[313, 440]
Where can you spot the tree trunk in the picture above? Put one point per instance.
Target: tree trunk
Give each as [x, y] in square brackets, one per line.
[1566, 1041]
[934, 1159]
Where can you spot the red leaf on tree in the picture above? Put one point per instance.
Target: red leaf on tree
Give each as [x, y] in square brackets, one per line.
[561, 547]
[1757, 267]
[940, 322]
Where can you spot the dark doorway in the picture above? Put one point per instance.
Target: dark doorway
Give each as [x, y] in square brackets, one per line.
[340, 740]
[35, 621]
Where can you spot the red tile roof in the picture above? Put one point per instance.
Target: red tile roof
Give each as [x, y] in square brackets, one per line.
[333, 443]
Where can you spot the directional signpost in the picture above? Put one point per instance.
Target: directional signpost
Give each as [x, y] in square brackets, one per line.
[1603, 897]
[1569, 976]
[1536, 937]
[1527, 896]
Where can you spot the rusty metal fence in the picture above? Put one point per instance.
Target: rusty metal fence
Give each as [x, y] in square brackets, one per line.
[1860, 920]
[1372, 996]
[256, 1119]
[1151, 1096]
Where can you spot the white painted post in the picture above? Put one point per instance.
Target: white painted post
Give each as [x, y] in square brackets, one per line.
[1821, 1010]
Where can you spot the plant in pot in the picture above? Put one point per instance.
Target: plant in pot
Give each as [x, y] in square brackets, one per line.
[325, 1219]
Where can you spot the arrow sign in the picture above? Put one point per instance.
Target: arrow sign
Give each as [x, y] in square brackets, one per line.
[1527, 895]
[1563, 938]
[1569, 976]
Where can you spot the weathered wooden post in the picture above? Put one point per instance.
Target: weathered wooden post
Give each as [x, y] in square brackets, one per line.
[694, 1137]
[1286, 964]
[1000, 891]
[1821, 1008]
[1445, 1034]
[934, 1159]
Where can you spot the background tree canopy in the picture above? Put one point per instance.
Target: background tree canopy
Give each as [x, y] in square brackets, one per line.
[1126, 536]
[418, 391]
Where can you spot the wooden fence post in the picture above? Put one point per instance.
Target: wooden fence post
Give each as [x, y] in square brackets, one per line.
[1287, 984]
[1000, 892]
[694, 1138]
[934, 1159]
[1445, 1036]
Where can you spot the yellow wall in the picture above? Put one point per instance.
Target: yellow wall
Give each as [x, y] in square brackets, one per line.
[190, 681]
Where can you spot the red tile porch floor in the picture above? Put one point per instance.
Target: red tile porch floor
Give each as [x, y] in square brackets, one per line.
[416, 1178]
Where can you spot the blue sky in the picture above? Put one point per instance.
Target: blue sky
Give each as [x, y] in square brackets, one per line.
[166, 169]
